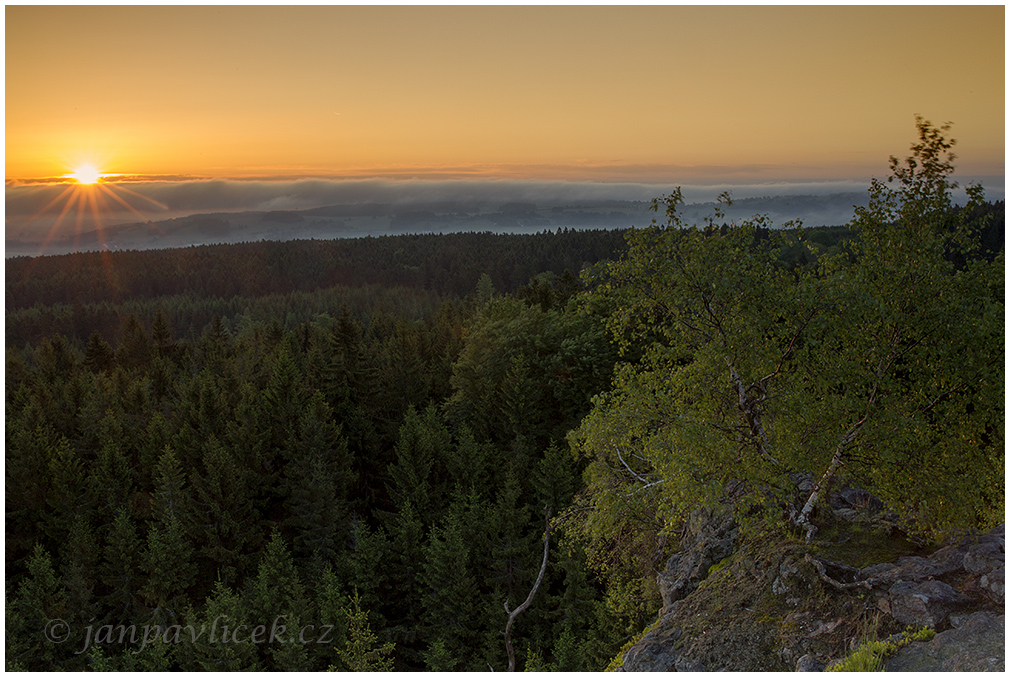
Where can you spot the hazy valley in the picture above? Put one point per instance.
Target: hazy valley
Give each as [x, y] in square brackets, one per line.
[375, 219]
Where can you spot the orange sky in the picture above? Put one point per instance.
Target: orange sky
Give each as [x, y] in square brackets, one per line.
[608, 93]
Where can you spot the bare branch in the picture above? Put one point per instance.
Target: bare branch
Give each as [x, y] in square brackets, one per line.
[529, 598]
[628, 467]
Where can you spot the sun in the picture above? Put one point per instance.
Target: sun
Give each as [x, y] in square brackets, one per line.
[85, 174]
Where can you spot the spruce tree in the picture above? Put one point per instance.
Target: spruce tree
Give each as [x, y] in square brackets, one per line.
[277, 595]
[448, 588]
[98, 354]
[40, 599]
[120, 571]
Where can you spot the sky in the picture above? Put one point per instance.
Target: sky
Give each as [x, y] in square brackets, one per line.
[645, 96]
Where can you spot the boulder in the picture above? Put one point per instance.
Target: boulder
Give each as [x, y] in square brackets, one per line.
[984, 557]
[925, 604]
[656, 652]
[996, 534]
[976, 643]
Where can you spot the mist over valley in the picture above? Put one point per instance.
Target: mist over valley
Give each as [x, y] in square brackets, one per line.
[193, 213]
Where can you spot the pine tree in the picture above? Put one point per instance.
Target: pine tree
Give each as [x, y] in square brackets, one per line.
[224, 519]
[134, 344]
[329, 598]
[169, 566]
[79, 570]
[276, 594]
[161, 335]
[28, 447]
[380, 565]
[120, 571]
[40, 598]
[556, 478]
[110, 480]
[221, 638]
[422, 442]
[172, 499]
[316, 479]
[67, 488]
[361, 652]
[98, 354]
[448, 588]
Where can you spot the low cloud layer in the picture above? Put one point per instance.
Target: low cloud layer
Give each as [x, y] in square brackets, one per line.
[38, 207]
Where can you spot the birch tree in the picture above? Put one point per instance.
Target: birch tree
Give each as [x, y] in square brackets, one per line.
[881, 365]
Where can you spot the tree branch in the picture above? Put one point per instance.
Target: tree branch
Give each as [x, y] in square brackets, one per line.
[746, 405]
[529, 598]
[628, 467]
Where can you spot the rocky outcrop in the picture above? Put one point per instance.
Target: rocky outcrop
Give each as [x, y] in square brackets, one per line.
[975, 643]
[710, 536]
[732, 604]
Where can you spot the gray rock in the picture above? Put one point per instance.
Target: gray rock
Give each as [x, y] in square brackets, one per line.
[711, 537]
[997, 533]
[846, 514]
[687, 665]
[852, 498]
[886, 571]
[788, 577]
[649, 657]
[992, 584]
[655, 652]
[975, 644]
[984, 557]
[808, 663]
[925, 604]
[804, 482]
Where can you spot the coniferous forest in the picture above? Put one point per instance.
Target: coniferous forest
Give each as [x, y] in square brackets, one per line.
[348, 453]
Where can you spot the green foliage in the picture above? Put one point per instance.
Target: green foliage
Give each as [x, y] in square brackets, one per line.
[213, 643]
[535, 661]
[119, 570]
[526, 374]
[276, 595]
[437, 658]
[39, 598]
[870, 656]
[422, 443]
[449, 587]
[316, 480]
[362, 651]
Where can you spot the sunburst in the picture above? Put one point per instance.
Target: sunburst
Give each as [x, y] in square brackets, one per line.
[88, 191]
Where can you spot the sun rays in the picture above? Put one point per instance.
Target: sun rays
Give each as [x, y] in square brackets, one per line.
[91, 193]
